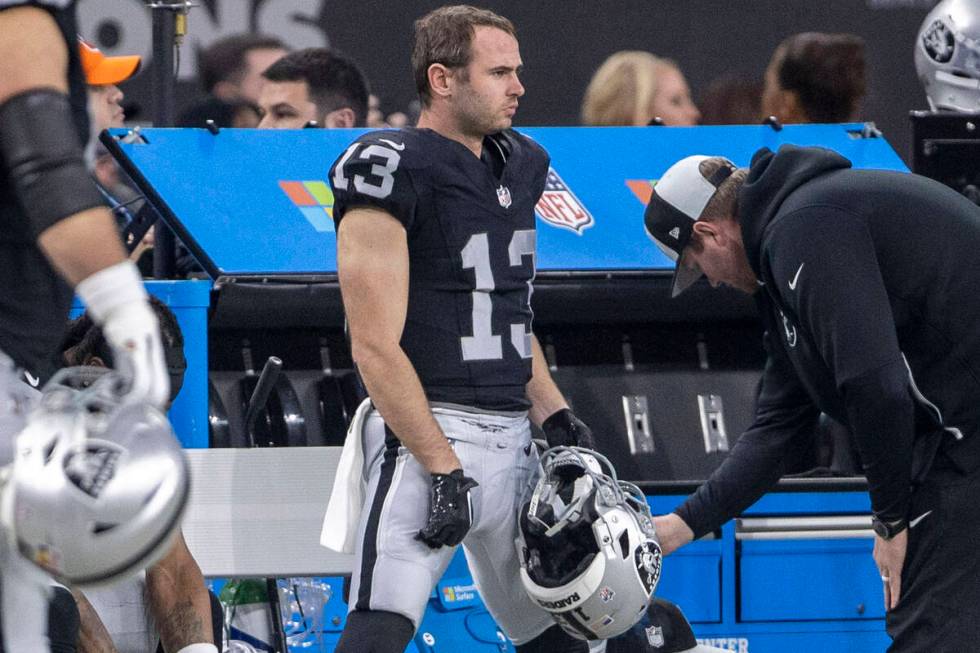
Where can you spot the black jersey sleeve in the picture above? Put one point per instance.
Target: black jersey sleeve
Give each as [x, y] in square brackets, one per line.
[376, 171]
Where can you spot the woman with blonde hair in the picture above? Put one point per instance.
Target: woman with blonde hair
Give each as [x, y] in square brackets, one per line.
[633, 87]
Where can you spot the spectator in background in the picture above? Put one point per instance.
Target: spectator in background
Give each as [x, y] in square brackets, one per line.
[633, 87]
[815, 77]
[375, 117]
[313, 85]
[224, 113]
[231, 68]
[231, 73]
[731, 100]
[103, 75]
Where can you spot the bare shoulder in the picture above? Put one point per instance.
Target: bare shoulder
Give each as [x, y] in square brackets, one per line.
[33, 53]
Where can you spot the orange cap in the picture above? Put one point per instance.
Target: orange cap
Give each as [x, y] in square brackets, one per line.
[100, 69]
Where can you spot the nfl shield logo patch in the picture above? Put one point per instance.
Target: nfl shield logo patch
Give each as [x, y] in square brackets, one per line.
[559, 207]
[606, 594]
[655, 636]
[503, 196]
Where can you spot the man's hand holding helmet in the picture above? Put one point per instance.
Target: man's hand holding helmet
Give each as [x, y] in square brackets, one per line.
[672, 532]
[116, 299]
[563, 429]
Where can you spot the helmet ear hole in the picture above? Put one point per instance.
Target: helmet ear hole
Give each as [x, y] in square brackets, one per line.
[624, 544]
[49, 451]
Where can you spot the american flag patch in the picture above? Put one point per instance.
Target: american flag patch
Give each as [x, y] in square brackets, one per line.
[559, 207]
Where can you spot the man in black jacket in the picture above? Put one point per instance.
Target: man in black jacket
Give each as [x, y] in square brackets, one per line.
[866, 282]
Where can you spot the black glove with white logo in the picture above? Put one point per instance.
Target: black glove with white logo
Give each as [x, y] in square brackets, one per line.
[450, 510]
[563, 429]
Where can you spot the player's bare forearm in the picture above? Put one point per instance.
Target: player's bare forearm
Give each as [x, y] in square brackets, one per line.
[542, 392]
[178, 599]
[373, 268]
[32, 52]
[83, 244]
[92, 634]
[395, 390]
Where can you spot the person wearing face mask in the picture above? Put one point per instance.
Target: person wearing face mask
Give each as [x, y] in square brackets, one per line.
[635, 88]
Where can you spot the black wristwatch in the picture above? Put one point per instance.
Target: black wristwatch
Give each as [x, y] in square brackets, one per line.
[887, 530]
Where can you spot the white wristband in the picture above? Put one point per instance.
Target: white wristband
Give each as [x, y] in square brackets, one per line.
[199, 648]
[109, 288]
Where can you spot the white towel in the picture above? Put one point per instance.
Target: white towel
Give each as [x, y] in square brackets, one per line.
[347, 497]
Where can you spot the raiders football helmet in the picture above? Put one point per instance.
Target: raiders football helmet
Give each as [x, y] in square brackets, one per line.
[588, 549]
[947, 56]
[98, 486]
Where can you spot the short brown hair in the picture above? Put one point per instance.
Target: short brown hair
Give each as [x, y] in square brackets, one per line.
[724, 203]
[445, 36]
[827, 72]
[334, 81]
[224, 60]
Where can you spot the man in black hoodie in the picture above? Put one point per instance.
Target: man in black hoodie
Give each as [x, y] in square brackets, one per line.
[866, 282]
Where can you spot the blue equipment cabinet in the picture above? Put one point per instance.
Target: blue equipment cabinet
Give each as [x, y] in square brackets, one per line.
[793, 573]
[189, 301]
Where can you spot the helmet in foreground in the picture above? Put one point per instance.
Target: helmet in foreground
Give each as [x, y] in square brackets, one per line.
[947, 55]
[98, 486]
[589, 553]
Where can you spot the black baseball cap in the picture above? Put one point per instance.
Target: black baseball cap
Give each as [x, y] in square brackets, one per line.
[678, 199]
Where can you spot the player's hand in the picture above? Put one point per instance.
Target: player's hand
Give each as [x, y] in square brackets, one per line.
[563, 429]
[889, 556]
[133, 332]
[450, 510]
[672, 532]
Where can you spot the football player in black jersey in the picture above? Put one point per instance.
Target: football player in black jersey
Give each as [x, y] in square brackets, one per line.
[435, 250]
[55, 235]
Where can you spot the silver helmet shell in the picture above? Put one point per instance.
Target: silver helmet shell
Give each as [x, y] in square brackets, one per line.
[947, 55]
[588, 549]
[98, 484]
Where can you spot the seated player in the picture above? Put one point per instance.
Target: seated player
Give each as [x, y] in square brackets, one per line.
[170, 605]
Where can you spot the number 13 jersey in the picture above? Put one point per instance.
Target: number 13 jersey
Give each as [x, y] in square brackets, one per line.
[471, 242]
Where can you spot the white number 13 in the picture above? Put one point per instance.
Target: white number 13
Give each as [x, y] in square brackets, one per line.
[384, 173]
[483, 344]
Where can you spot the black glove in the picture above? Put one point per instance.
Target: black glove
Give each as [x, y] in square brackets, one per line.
[563, 429]
[450, 512]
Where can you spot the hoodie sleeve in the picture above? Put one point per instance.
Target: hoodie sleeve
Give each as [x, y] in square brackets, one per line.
[784, 420]
[840, 301]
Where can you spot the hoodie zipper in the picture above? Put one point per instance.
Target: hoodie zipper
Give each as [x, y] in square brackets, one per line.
[935, 409]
